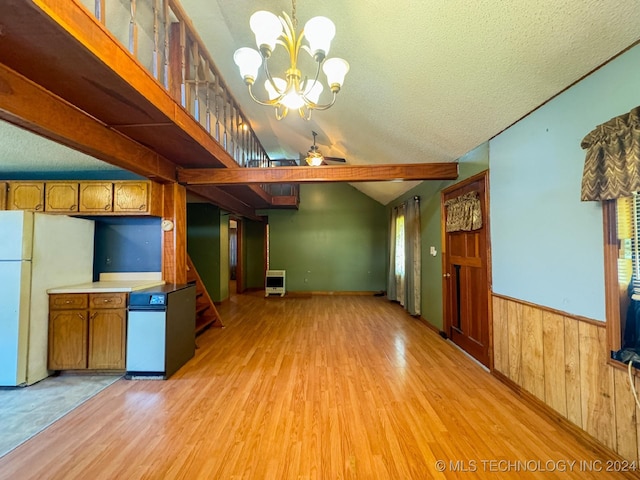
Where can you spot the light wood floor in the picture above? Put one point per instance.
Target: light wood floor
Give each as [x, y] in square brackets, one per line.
[308, 388]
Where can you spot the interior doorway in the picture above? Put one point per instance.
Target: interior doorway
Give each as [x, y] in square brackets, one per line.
[466, 274]
[236, 277]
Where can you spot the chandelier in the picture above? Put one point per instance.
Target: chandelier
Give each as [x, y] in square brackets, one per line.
[293, 92]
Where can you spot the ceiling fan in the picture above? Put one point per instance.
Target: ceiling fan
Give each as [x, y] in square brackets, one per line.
[314, 158]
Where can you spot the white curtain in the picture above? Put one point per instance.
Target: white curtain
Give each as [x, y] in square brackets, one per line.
[403, 284]
[413, 258]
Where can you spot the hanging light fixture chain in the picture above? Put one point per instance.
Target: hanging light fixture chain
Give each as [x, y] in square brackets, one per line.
[294, 18]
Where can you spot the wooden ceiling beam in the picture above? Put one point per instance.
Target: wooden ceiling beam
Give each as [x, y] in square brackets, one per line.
[225, 201]
[337, 173]
[33, 108]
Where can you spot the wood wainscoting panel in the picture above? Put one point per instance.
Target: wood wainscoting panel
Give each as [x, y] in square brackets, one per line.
[570, 356]
[532, 354]
[501, 337]
[625, 412]
[596, 379]
[572, 370]
[514, 319]
[555, 387]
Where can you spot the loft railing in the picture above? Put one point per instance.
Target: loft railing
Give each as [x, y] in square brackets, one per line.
[160, 36]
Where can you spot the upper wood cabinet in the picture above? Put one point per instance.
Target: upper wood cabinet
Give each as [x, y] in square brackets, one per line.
[96, 197]
[26, 196]
[131, 197]
[61, 197]
[3, 195]
[126, 197]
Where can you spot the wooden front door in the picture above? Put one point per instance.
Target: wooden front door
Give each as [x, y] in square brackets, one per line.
[466, 276]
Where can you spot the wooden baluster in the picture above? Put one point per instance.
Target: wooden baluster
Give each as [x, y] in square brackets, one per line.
[156, 39]
[133, 30]
[183, 65]
[165, 14]
[99, 11]
[216, 99]
[224, 121]
[196, 64]
[207, 95]
[234, 131]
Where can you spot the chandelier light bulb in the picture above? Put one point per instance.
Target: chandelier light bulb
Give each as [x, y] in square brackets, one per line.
[319, 31]
[335, 69]
[313, 90]
[267, 28]
[281, 85]
[248, 61]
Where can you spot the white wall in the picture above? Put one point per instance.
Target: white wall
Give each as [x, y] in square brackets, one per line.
[547, 245]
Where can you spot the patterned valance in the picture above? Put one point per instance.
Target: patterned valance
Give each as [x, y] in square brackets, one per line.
[463, 213]
[612, 164]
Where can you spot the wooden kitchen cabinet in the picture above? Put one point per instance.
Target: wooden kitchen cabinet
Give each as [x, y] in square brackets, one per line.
[3, 195]
[96, 197]
[26, 196]
[68, 331]
[61, 197]
[87, 331]
[107, 331]
[131, 197]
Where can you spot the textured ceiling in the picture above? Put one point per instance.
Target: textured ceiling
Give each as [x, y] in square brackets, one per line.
[429, 80]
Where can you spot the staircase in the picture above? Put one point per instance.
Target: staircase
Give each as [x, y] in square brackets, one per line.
[206, 313]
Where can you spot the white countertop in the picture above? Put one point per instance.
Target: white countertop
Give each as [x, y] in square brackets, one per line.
[114, 283]
[114, 286]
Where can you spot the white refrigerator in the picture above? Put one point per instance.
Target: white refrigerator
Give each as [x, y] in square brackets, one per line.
[37, 252]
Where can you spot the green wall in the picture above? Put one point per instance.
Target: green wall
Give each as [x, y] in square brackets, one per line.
[225, 270]
[204, 246]
[470, 164]
[336, 241]
[253, 251]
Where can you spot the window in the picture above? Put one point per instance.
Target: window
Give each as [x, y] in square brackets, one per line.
[622, 257]
[400, 245]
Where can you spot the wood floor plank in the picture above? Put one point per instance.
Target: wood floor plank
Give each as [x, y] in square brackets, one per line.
[306, 388]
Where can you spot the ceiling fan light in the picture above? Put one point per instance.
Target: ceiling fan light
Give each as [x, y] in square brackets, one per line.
[248, 61]
[314, 158]
[267, 28]
[335, 69]
[319, 31]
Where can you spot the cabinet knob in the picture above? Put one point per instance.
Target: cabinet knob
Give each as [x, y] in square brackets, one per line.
[446, 275]
[106, 300]
[142, 207]
[107, 208]
[39, 206]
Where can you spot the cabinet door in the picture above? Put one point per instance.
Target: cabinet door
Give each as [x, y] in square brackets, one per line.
[96, 197]
[61, 197]
[107, 339]
[26, 196]
[131, 197]
[3, 195]
[67, 339]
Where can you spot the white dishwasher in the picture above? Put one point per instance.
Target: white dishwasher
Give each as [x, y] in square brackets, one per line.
[161, 329]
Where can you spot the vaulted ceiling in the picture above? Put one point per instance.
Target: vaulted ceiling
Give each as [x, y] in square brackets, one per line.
[429, 80]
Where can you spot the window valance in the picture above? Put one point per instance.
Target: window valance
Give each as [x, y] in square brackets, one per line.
[463, 213]
[612, 164]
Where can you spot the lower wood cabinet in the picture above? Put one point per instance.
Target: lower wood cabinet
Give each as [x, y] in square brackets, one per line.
[87, 331]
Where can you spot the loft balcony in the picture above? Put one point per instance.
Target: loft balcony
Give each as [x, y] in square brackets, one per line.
[139, 69]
